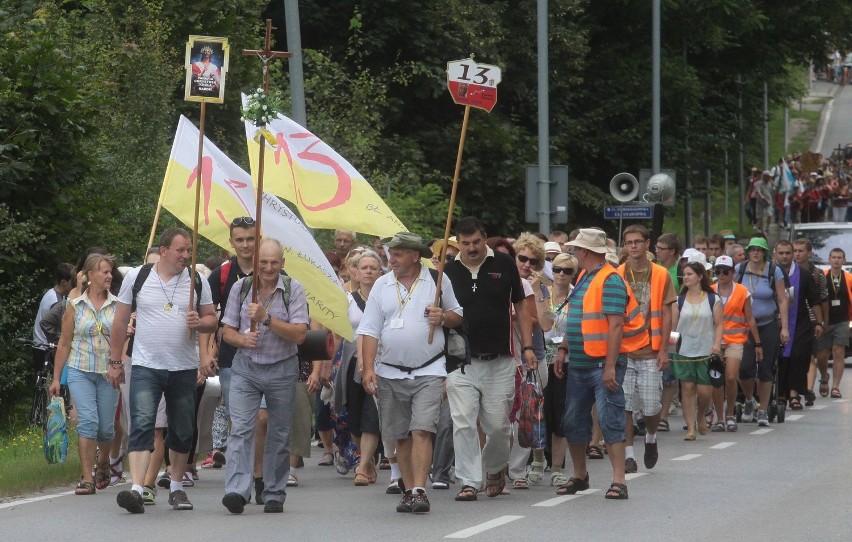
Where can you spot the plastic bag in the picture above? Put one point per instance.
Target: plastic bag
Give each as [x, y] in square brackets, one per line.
[56, 432]
[532, 430]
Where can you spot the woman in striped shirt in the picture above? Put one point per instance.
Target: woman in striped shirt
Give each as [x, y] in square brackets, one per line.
[84, 346]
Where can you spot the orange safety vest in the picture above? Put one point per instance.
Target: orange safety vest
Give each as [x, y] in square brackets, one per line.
[595, 326]
[659, 275]
[847, 281]
[734, 323]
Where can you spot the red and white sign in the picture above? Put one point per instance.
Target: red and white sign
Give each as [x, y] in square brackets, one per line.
[473, 84]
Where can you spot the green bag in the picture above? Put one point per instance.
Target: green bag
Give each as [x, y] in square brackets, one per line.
[56, 432]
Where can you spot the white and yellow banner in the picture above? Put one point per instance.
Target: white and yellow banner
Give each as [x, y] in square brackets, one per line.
[227, 192]
[326, 189]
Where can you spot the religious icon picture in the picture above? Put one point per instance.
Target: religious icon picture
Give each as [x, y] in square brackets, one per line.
[206, 66]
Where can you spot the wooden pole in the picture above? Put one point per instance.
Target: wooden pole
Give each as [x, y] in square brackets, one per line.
[156, 220]
[450, 215]
[197, 209]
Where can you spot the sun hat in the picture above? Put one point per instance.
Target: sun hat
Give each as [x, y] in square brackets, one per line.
[758, 242]
[724, 261]
[552, 246]
[438, 244]
[590, 239]
[728, 234]
[688, 253]
[700, 258]
[408, 240]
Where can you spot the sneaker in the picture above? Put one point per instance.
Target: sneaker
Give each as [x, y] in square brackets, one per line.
[440, 485]
[194, 472]
[234, 502]
[187, 480]
[630, 466]
[130, 501]
[292, 481]
[748, 410]
[273, 507]
[557, 478]
[762, 418]
[165, 481]
[420, 502]
[148, 495]
[394, 488]
[178, 500]
[258, 490]
[404, 504]
[651, 455]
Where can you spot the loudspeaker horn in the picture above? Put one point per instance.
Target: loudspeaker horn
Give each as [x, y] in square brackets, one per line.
[624, 187]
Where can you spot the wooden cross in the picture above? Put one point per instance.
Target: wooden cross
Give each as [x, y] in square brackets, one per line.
[267, 54]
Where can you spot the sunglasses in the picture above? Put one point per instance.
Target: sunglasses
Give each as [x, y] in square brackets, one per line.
[724, 271]
[566, 270]
[532, 261]
[242, 221]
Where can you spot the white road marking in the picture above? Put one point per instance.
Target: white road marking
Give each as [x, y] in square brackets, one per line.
[686, 457]
[482, 527]
[794, 417]
[34, 499]
[839, 401]
[762, 431]
[824, 126]
[722, 445]
[556, 501]
[634, 475]
[818, 407]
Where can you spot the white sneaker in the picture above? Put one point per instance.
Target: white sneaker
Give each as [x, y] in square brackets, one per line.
[762, 418]
[748, 410]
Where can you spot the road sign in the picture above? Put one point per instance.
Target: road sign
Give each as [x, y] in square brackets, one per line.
[558, 194]
[637, 211]
[473, 84]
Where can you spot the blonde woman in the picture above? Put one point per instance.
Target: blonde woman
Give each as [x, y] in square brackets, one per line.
[84, 346]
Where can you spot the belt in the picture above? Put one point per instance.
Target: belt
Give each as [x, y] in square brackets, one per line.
[485, 357]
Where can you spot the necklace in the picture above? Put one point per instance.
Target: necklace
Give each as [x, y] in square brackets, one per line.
[640, 293]
[169, 305]
[363, 295]
[694, 308]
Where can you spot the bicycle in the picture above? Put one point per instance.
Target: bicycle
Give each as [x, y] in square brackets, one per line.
[44, 377]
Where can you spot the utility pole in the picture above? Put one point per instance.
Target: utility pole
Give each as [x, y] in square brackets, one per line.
[765, 125]
[742, 154]
[655, 88]
[543, 123]
[297, 76]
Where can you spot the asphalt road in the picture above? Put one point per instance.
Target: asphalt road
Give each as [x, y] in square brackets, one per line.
[790, 482]
[836, 121]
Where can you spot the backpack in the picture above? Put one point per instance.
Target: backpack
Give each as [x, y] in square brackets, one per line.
[144, 271]
[771, 278]
[456, 342]
[681, 299]
[245, 288]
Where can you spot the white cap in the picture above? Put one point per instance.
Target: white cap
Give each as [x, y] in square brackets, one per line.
[724, 261]
[688, 253]
[552, 246]
[700, 258]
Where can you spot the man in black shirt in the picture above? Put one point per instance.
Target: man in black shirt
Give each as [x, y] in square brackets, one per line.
[836, 336]
[487, 284]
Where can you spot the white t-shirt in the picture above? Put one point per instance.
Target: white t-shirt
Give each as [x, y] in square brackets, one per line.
[395, 316]
[50, 298]
[162, 340]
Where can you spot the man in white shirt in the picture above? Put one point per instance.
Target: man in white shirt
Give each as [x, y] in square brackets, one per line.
[64, 274]
[165, 361]
[409, 375]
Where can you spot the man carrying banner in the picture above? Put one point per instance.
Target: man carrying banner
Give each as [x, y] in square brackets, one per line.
[408, 376]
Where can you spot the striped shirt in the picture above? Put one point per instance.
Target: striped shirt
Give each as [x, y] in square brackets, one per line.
[614, 302]
[90, 343]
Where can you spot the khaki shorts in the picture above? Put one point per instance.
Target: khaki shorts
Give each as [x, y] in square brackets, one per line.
[407, 405]
[733, 351]
[303, 414]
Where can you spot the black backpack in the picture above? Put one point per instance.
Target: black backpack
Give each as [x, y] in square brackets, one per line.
[681, 299]
[144, 271]
[770, 278]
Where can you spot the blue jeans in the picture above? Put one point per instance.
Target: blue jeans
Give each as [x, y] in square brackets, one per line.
[95, 400]
[584, 388]
[146, 387]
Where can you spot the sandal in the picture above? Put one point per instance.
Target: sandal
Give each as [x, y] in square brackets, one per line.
[663, 425]
[327, 460]
[835, 394]
[84, 488]
[795, 403]
[594, 452]
[573, 485]
[495, 484]
[731, 424]
[810, 397]
[536, 474]
[361, 479]
[520, 483]
[102, 476]
[823, 388]
[718, 427]
[467, 493]
[616, 491]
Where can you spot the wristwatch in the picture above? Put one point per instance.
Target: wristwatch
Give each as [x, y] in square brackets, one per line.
[268, 320]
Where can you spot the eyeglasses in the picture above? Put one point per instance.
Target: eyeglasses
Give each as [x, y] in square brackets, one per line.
[532, 261]
[724, 271]
[663, 248]
[566, 270]
[634, 242]
[242, 221]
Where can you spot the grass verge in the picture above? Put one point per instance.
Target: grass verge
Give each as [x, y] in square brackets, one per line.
[23, 468]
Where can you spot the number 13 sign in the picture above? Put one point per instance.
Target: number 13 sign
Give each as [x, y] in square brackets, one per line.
[473, 84]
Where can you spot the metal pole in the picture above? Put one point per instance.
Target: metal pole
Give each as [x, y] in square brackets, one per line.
[765, 125]
[687, 208]
[786, 127]
[707, 217]
[297, 76]
[726, 182]
[543, 123]
[742, 190]
[655, 88]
